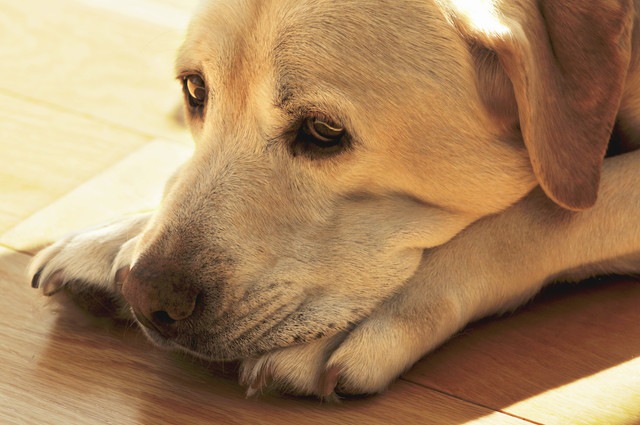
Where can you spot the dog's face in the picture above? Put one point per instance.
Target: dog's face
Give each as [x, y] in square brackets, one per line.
[335, 142]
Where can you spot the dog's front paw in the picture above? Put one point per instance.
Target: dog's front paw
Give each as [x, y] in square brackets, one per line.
[372, 356]
[297, 370]
[88, 267]
[365, 361]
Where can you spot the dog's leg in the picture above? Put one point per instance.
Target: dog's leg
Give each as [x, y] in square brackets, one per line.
[87, 265]
[493, 266]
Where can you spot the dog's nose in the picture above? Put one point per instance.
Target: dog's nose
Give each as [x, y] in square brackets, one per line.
[162, 296]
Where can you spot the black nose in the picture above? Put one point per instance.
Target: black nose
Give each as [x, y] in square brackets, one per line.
[162, 295]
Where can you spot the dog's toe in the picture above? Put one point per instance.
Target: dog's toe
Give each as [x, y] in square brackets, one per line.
[297, 370]
[257, 378]
[89, 268]
[373, 355]
[362, 362]
[328, 382]
[53, 283]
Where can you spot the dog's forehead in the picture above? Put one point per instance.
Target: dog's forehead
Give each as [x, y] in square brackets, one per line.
[324, 40]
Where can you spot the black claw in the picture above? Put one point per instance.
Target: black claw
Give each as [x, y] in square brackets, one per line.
[35, 282]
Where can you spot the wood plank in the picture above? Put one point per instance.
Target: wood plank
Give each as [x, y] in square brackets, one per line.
[96, 58]
[573, 356]
[130, 186]
[59, 366]
[46, 153]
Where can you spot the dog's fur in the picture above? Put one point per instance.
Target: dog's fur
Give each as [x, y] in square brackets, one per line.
[471, 175]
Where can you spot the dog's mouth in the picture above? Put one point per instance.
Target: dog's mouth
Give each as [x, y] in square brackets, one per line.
[243, 337]
[216, 324]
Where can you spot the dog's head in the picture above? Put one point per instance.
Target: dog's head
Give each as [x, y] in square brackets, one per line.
[335, 142]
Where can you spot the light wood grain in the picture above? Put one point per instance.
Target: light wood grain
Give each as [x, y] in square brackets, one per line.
[87, 58]
[45, 153]
[128, 187]
[61, 367]
[573, 356]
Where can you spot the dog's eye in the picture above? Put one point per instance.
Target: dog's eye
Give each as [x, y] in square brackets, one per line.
[319, 136]
[326, 134]
[195, 89]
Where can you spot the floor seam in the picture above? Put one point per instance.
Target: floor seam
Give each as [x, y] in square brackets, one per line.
[471, 401]
[17, 251]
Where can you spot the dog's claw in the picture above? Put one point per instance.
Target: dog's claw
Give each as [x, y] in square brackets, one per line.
[251, 392]
[35, 281]
[328, 382]
[262, 379]
[51, 285]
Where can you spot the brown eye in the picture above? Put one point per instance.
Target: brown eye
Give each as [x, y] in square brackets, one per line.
[319, 137]
[195, 89]
[324, 134]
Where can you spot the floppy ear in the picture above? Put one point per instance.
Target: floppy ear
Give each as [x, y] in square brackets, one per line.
[567, 61]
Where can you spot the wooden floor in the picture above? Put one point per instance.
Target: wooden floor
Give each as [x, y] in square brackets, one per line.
[88, 132]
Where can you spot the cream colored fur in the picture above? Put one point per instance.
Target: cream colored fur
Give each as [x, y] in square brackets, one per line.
[339, 273]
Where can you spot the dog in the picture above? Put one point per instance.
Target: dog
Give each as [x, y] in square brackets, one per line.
[371, 176]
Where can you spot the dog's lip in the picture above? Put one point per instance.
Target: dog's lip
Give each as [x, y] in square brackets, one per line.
[246, 336]
[143, 320]
[161, 341]
[213, 348]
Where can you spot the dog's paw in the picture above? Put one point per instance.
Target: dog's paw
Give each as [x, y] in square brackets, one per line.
[297, 370]
[88, 267]
[371, 357]
[364, 361]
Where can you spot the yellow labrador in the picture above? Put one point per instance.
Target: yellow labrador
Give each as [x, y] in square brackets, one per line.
[369, 176]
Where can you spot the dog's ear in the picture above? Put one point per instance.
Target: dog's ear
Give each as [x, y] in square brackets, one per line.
[566, 61]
